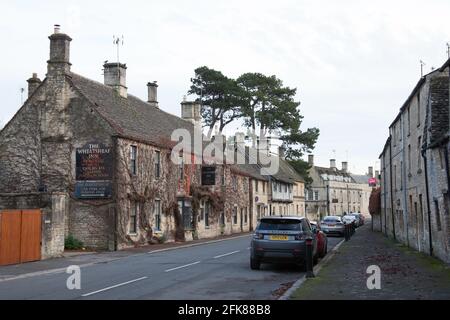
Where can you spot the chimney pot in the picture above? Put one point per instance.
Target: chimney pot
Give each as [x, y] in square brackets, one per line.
[33, 83]
[57, 28]
[333, 164]
[115, 75]
[191, 111]
[311, 159]
[345, 166]
[370, 172]
[153, 93]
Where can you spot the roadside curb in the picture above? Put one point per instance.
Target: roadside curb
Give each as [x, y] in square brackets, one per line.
[287, 295]
[62, 270]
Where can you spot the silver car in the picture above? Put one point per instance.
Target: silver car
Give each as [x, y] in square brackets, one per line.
[333, 225]
[281, 239]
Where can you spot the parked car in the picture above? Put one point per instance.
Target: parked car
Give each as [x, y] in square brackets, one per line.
[357, 216]
[333, 225]
[322, 239]
[349, 219]
[281, 239]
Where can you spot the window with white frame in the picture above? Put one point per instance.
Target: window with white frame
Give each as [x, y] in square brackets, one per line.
[157, 164]
[133, 217]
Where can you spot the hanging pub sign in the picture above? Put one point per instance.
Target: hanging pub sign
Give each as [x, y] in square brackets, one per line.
[208, 176]
[94, 161]
[93, 189]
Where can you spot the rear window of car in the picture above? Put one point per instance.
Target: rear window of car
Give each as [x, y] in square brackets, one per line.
[280, 224]
[331, 219]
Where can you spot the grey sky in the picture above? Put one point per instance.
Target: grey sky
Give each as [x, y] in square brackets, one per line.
[353, 62]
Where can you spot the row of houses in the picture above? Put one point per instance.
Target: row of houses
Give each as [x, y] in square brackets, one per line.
[336, 191]
[415, 180]
[98, 164]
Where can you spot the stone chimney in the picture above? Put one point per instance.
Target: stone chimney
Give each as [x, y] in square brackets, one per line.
[153, 93]
[345, 167]
[191, 111]
[33, 83]
[333, 164]
[311, 160]
[59, 62]
[281, 152]
[370, 172]
[115, 76]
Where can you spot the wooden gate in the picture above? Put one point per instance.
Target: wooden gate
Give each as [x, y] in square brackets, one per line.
[20, 236]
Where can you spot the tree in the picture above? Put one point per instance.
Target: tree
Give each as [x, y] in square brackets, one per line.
[219, 96]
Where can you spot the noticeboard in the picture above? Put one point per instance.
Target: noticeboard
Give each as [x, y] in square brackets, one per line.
[208, 176]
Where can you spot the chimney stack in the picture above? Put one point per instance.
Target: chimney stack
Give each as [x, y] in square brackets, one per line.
[59, 62]
[153, 93]
[371, 172]
[191, 111]
[33, 83]
[311, 160]
[281, 152]
[333, 164]
[345, 167]
[115, 76]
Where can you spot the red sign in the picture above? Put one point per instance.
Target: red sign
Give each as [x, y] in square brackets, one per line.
[372, 182]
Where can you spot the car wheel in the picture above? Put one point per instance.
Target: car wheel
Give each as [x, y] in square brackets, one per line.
[255, 264]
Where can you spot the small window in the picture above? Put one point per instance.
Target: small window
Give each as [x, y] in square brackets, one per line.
[133, 162]
[206, 213]
[157, 164]
[438, 215]
[419, 155]
[223, 176]
[181, 167]
[235, 215]
[133, 217]
[157, 213]
[316, 195]
[245, 215]
[234, 182]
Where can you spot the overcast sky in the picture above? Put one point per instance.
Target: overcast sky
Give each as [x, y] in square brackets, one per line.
[353, 62]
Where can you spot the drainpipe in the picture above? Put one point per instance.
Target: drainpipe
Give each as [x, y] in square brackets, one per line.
[392, 193]
[428, 199]
[384, 189]
[406, 212]
[328, 200]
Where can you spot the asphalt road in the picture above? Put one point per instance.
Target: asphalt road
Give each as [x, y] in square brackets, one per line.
[211, 271]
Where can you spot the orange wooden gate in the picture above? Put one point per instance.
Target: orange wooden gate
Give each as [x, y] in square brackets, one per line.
[20, 236]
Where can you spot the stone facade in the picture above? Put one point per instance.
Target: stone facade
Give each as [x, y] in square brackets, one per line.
[151, 198]
[335, 192]
[414, 176]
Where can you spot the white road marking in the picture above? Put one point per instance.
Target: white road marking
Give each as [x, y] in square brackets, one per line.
[112, 287]
[226, 254]
[180, 267]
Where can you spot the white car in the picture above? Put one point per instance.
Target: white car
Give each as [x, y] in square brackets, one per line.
[349, 219]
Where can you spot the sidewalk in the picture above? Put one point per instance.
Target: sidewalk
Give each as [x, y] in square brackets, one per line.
[405, 273]
[84, 259]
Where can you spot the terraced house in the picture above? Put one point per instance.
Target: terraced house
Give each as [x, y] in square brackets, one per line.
[415, 169]
[90, 160]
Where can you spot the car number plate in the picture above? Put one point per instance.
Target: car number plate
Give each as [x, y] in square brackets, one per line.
[279, 238]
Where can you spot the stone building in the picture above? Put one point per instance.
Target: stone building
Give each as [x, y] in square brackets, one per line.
[334, 191]
[414, 169]
[97, 161]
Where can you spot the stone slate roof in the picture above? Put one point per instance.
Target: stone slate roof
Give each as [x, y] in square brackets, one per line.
[286, 173]
[439, 107]
[361, 178]
[130, 117]
[329, 171]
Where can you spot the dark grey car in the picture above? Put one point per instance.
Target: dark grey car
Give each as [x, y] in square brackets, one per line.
[281, 239]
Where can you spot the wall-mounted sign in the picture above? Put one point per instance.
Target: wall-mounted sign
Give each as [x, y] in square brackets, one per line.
[93, 189]
[372, 182]
[208, 176]
[94, 162]
[335, 201]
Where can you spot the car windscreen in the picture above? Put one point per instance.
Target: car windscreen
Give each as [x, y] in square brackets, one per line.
[280, 224]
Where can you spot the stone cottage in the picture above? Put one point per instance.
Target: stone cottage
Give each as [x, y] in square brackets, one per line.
[414, 169]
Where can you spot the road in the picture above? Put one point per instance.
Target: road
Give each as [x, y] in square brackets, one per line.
[218, 271]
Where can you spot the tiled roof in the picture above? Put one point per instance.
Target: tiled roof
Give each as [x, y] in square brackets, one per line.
[130, 117]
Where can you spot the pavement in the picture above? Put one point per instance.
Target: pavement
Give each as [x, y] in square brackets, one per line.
[405, 273]
[202, 270]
